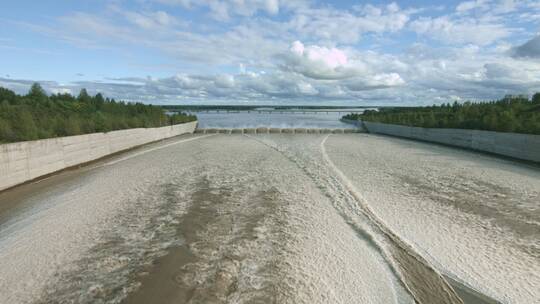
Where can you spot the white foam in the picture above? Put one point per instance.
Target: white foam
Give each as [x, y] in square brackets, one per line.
[67, 220]
[100, 227]
[472, 249]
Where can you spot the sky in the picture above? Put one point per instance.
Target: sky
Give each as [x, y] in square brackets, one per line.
[413, 52]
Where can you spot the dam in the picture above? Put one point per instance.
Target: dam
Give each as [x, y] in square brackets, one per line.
[276, 217]
[270, 152]
[265, 130]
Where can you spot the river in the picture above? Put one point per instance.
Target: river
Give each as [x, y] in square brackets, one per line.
[329, 119]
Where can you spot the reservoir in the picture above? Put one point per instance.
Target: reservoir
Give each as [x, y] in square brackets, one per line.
[274, 119]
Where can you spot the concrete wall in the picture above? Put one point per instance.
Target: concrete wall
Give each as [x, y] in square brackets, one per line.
[24, 161]
[520, 146]
[358, 123]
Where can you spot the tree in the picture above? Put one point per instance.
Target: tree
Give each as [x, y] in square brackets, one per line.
[36, 115]
[84, 97]
[430, 120]
[99, 101]
[536, 99]
[37, 93]
[7, 96]
[6, 133]
[100, 123]
[25, 128]
[513, 113]
[73, 126]
[506, 122]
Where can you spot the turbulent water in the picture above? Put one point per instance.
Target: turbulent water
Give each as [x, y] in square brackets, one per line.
[274, 218]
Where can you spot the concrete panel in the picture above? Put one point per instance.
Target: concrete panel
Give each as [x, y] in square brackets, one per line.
[520, 146]
[24, 161]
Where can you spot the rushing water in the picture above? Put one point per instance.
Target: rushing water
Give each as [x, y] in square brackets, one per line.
[254, 119]
[250, 218]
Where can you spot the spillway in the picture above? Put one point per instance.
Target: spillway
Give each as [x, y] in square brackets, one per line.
[262, 216]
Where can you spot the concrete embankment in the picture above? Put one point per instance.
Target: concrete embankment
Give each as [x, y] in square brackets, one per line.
[357, 123]
[25, 161]
[520, 146]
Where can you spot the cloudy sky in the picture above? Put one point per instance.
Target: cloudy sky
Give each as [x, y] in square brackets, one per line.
[273, 51]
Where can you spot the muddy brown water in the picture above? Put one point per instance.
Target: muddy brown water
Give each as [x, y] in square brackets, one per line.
[207, 267]
[213, 227]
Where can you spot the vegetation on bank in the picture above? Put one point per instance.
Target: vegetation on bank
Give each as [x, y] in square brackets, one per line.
[516, 114]
[37, 116]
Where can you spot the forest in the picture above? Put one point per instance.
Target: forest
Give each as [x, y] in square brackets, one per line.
[37, 115]
[517, 114]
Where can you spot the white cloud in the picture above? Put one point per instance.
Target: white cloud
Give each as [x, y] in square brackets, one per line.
[471, 5]
[224, 9]
[342, 26]
[530, 49]
[504, 71]
[307, 88]
[224, 81]
[491, 6]
[151, 20]
[320, 62]
[449, 30]
[506, 6]
[379, 81]
[182, 81]
[330, 57]
[61, 91]
[359, 72]
[298, 51]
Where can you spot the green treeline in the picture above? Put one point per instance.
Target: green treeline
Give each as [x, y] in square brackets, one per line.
[38, 116]
[515, 114]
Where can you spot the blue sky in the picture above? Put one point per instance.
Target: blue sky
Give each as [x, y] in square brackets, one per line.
[273, 51]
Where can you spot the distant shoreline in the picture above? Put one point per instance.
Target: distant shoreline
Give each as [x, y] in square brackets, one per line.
[262, 107]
